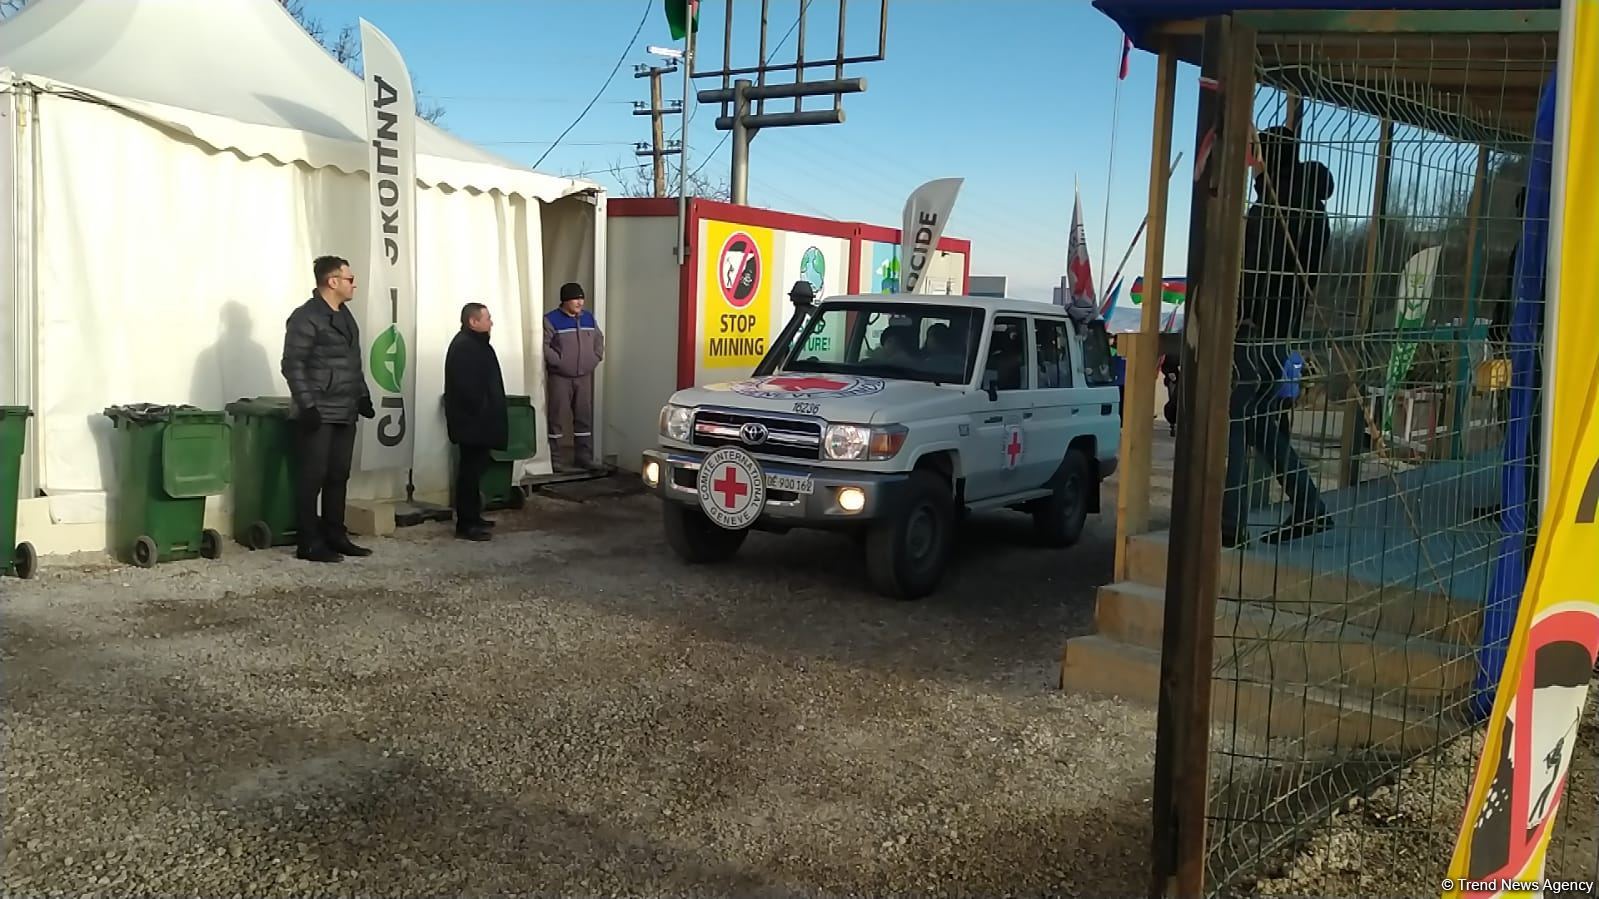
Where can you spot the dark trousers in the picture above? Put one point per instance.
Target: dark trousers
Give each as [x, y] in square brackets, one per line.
[469, 469]
[325, 453]
[1258, 420]
[571, 400]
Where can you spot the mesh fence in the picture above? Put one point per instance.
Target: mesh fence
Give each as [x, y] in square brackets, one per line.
[1368, 425]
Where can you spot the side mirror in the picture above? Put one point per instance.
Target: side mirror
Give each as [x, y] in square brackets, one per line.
[991, 385]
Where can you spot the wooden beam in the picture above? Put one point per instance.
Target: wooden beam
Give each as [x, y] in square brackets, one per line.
[1138, 417]
[1456, 416]
[1275, 22]
[1195, 563]
[1379, 205]
[1216, 220]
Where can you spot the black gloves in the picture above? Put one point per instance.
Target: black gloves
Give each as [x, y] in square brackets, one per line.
[366, 409]
[309, 418]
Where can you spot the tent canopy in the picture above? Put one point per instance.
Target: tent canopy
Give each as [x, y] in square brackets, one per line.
[246, 78]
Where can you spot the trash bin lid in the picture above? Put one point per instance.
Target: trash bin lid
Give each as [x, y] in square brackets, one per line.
[15, 411]
[147, 413]
[261, 407]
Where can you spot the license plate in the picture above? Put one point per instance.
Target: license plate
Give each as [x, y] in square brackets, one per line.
[791, 483]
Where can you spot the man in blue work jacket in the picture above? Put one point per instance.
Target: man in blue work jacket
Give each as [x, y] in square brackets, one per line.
[574, 347]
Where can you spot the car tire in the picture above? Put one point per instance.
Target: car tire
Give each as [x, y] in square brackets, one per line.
[907, 553]
[1060, 518]
[696, 539]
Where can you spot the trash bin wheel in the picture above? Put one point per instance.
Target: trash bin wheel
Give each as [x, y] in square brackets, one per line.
[25, 562]
[210, 544]
[259, 535]
[144, 552]
[516, 499]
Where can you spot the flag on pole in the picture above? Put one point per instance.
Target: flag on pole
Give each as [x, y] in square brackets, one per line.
[1079, 271]
[388, 316]
[1127, 52]
[679, 15]
[922, 223]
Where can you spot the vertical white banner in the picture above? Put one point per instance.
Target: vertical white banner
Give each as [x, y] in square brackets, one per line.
[388, 304]
[922, 225]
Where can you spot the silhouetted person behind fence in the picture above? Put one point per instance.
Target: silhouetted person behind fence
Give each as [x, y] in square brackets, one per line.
[1285, 239]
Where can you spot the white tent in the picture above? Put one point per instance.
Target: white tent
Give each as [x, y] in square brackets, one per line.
[168, 170]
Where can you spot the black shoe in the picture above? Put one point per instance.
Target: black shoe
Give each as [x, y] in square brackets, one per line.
[318, 554]
[480, 523]
[1299, 528]
[344, 546]
[478, 535]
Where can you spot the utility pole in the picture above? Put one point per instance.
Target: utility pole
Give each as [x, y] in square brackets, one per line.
[658, 148]
[743, 103]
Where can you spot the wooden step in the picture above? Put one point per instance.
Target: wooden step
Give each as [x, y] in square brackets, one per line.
[1284, 648]
[1331, 720]
[1256, 577]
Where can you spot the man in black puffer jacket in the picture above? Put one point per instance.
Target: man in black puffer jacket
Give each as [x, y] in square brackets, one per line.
[322, 364]
[474, 411]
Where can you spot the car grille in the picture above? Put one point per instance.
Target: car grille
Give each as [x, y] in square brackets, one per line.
[786, 438]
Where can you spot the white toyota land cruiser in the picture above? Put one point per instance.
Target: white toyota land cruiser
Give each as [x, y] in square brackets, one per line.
[873, 413]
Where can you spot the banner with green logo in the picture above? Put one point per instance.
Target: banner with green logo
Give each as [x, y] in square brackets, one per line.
[388, 303]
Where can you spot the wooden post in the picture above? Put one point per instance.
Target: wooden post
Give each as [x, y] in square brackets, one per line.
[1457, 415]
[1215, 249]
[1354, 416]
[1138, 417]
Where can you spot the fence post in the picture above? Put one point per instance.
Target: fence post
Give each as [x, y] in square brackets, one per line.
[1216, 220]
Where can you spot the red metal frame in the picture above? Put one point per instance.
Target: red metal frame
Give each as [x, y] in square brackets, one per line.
[854, 233]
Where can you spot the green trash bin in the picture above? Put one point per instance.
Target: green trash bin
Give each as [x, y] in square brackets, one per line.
[522, 434]
[521, 443]
[168, 460]
[15, 558]
[263, 456]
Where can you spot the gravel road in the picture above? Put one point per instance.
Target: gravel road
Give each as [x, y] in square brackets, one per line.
[566, 710]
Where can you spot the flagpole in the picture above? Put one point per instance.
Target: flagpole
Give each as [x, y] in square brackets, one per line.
[682, 143]
[1140, 233]
[1115, 115]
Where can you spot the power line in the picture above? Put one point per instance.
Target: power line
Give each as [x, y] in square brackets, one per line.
[649, 6]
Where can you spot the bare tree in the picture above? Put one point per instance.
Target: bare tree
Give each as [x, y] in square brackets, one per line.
[344, 45]
[639, 181]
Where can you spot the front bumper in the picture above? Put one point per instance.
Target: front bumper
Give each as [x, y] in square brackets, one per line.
[678, 478]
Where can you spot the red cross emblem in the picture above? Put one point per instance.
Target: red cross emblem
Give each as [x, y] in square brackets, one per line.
[795, 384]
[1013, 448]
[730, 486]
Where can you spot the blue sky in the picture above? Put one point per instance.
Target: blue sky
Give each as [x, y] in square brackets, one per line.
[1015, 96]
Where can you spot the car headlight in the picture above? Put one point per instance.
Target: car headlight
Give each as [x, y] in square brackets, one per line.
[858, 443]
[676, 423]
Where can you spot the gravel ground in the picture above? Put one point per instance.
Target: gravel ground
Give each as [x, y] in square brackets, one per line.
[567, 710]
[1398, 841]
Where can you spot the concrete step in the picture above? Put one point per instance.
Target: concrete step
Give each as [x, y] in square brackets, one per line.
[1283, 648]
[1328, 720]
[1334, 595]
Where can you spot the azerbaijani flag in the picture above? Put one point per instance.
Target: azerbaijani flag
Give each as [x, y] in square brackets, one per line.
[678, 15]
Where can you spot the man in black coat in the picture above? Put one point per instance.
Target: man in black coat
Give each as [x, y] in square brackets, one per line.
[1285, 240]
[322, 364]
[474, 411]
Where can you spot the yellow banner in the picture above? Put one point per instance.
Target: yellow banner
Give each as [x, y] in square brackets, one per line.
[736, 272]
[1521, 776]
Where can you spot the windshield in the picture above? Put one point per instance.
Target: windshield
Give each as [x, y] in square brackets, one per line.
[891, 339]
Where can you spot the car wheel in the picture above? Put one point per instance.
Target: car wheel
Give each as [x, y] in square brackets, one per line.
[907, 553]
[696, 539]
[1059, 519]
